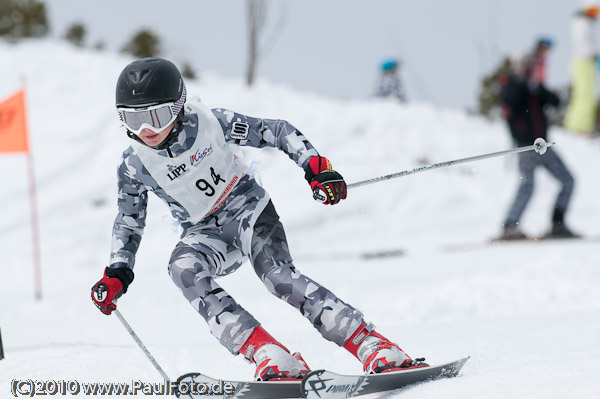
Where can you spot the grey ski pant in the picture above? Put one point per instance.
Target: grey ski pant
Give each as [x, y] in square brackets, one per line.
[528, 162]
[216, 247]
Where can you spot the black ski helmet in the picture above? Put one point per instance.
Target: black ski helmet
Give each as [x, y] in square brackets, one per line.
[147, 82]
[151, 81]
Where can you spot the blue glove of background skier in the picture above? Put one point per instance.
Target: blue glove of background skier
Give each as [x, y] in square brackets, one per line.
[328, 186]
[111, 287]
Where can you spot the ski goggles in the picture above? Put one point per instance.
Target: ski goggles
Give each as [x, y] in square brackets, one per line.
[155, 117]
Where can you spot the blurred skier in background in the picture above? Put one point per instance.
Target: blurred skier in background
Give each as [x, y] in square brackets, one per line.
[525, 98]
[389, 83]
[187, 154]
[581, 116]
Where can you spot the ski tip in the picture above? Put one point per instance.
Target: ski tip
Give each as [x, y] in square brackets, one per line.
[458, 364]
[464, 360]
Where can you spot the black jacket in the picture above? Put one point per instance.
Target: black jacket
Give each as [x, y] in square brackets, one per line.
[524, 109]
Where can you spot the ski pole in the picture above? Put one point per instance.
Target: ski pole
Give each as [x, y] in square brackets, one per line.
[540, 146]
[140, 344]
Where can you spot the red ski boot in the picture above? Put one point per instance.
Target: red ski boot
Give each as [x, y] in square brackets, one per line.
[273, 360]
[377, 353]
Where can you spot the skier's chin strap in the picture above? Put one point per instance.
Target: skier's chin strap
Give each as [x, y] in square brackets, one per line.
[169, 140]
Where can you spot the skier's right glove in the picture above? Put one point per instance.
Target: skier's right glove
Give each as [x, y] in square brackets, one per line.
[111, 287]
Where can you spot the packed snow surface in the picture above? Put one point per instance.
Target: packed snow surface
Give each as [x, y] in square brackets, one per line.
[527, 313]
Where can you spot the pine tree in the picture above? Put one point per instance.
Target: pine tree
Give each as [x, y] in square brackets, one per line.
[144, 44]
[76, 34]
[187, 71]
[490, 102]
[23, 19]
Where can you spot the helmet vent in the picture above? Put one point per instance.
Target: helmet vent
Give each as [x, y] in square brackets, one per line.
[138, 76]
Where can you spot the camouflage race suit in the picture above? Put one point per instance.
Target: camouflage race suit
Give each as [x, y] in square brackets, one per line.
[246, 226]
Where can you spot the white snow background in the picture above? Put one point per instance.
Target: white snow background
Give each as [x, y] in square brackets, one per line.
[527, 313]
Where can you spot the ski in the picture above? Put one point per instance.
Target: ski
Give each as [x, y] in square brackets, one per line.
[323, 384]
[318, 384]
[199, 386]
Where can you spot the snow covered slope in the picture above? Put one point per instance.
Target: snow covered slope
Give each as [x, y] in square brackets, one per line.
[527, 314]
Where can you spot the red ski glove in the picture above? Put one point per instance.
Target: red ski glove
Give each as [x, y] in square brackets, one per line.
[111, 287]
[328, 186]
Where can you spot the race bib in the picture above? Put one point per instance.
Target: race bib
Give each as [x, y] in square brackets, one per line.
[201, 178]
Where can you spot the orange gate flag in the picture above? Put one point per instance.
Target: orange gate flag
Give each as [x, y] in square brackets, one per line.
[13, 126]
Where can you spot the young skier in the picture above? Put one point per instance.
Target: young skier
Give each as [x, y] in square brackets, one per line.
[389, 83]
[186, 154]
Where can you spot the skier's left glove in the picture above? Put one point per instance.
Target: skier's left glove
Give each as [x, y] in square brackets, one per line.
[111, 287]
[327, 185]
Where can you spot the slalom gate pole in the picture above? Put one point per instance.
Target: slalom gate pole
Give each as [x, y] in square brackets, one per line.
[140, 344]
[1, 348]
[540, 146]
